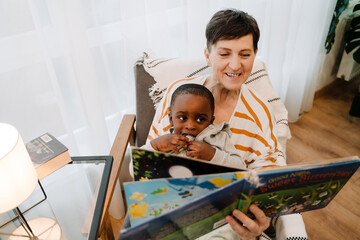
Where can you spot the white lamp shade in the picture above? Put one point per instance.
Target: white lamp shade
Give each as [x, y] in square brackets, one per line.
[18, 177]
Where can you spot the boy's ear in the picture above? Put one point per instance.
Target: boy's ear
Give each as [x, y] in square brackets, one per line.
[212, 119]
[170, 118]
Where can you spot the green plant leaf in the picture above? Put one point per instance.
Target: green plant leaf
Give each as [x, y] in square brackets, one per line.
[341, 5]
[356, 55]
[351, 46]
[356, 8]
[351, 36]
[355, 22]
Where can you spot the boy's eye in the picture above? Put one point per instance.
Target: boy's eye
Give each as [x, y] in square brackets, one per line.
[182, 118]
[201, 119]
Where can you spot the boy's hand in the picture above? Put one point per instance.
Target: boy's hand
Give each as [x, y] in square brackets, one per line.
[169, 142]
[200, 150]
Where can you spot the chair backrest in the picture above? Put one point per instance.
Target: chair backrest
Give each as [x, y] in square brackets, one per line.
[156, 74]
[144, 105]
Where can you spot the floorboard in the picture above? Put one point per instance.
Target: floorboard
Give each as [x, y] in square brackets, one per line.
[326, 132]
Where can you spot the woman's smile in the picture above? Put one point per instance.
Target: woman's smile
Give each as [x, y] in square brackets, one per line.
[233, 74]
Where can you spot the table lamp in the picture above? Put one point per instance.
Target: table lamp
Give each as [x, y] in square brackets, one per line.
[18, 177]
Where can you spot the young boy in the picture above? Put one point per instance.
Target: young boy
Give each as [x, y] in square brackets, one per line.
[193, 133]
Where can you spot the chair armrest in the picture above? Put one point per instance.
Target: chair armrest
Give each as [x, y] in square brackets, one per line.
[125, 135]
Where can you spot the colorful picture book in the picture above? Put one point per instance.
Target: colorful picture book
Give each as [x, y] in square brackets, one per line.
[147, 199]
[189, 207]
[151, 164]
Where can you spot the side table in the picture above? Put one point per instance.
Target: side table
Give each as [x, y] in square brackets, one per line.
[75, 196]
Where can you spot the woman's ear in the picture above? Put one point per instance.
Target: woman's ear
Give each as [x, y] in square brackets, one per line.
[207, 57]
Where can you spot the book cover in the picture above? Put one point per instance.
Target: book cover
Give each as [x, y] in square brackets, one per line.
[148, 199]
[300, 188]
[151, 164]
[277, 191]
[48, 154]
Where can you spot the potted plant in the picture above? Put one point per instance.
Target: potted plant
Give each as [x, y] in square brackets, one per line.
[352, 43]
[352, 35]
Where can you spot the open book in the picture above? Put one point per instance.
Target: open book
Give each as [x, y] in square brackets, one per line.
[151, 164]
[189, 207]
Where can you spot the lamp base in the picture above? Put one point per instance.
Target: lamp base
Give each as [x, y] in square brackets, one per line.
[43, 228]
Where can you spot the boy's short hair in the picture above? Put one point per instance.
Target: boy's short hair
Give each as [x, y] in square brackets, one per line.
[231, 24]
[195, 89]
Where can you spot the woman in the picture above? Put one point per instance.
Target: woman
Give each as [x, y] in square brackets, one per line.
[232, 38]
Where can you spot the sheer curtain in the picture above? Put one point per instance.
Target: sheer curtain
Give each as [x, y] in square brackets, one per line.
[66, 67]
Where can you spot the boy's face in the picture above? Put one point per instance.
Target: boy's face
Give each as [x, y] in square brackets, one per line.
[190, 114]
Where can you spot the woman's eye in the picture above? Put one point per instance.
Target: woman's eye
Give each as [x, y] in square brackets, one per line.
[224, 54]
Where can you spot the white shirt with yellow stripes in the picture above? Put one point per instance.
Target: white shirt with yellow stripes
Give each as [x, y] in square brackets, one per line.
[253, 127]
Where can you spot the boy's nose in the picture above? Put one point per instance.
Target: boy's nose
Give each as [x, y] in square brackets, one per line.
[190, 125]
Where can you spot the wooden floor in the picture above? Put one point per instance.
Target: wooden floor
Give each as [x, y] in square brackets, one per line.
[327, 132]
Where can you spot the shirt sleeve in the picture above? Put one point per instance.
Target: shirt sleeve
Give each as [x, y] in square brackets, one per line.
[147, 146]
[254, 131]
[228, 159]
[160, 124]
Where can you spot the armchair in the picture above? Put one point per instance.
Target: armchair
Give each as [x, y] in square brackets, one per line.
[154, 75]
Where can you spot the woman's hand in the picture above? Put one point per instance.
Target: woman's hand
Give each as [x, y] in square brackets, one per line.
[251, 228]
[200, 150]
[169, 142]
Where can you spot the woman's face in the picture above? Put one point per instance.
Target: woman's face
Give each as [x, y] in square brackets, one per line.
[232, 61]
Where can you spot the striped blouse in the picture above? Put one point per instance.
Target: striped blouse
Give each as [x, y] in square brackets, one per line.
[253, 127]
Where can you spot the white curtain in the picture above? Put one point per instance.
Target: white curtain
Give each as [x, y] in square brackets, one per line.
[66, 66]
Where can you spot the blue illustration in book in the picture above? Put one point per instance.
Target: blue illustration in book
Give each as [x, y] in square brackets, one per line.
[146, 199]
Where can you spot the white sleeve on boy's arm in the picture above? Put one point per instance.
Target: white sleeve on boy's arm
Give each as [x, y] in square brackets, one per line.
[147, 146]
[227, 159]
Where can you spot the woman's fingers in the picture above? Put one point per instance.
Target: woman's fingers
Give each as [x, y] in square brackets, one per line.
[250, 224]
[250, 228]
[240, 230]
[260, 217]
[235, 225]
[258, 225]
